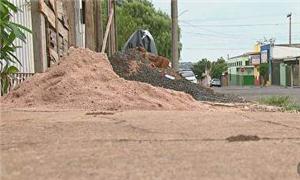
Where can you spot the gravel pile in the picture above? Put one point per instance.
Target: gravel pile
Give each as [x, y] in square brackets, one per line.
[132, 66]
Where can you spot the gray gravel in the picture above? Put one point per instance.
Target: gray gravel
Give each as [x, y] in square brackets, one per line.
[154, 76]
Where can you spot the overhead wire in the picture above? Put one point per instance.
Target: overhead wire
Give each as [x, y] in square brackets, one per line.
[241, 25]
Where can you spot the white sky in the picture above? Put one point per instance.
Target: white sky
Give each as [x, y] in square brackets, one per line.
[219, 27]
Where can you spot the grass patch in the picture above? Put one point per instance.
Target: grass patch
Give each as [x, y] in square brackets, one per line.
[284, 102]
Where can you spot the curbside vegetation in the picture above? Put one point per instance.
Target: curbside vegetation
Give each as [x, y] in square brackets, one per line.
[284, 102]
[10, 32]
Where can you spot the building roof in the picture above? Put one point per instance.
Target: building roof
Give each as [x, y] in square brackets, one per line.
[246, 54]
[296, 45]
[292, 58]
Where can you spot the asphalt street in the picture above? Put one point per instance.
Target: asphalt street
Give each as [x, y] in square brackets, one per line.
[255, 93]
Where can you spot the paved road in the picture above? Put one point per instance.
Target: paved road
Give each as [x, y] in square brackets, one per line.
[174, 145]
[255, 93]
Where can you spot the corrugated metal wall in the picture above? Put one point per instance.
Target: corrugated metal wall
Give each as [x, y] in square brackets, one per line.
[24, 54]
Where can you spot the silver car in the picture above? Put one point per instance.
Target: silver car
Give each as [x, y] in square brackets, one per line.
[215, 82]
[188, 75]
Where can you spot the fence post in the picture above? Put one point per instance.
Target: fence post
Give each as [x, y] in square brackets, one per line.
[39, 37]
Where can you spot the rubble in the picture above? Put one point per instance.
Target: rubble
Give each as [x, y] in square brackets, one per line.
[132, 65]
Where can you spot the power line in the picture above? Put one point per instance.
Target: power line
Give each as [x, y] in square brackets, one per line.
[235, 18]
[240, 36]
[222, 34]
[237, 25]
[216, 33]
[199, 48]
[216, 49]
[216, 36]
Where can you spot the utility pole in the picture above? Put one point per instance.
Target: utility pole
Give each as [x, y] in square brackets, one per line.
[98, 25]
[112, 32]
[174, 14]
[90, 35]
[290, 28]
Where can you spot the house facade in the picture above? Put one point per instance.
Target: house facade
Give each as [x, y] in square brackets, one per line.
[243, 69]
[283, 61]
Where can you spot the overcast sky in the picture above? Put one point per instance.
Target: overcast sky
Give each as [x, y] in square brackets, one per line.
[214, 28]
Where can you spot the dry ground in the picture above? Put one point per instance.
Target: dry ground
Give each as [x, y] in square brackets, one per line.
[149, 145]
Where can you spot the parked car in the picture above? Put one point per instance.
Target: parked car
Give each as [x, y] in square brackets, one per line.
[215, 82]
[188, 75]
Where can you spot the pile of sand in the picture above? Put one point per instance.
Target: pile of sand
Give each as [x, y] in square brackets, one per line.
[86, 80]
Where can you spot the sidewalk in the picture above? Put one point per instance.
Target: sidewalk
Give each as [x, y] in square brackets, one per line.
[148, 145]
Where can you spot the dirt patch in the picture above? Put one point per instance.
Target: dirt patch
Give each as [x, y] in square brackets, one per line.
[86, 80]
[99, 113]
[243, 138]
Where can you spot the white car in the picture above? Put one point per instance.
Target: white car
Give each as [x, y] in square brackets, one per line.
[215, 82]
[193, 79]
[188, 75]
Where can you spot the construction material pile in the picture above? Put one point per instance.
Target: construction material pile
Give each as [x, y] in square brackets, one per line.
[132, 65]
[86, 80]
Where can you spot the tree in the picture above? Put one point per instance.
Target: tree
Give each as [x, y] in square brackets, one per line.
[200, 67]
[263, 72]
[218, 68]
[141, 14]
[10, 31]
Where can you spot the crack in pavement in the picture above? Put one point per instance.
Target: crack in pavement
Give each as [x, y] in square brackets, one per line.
[279, 124]
[190, 140]
[144, 130]
[8, 146]
[267, 121]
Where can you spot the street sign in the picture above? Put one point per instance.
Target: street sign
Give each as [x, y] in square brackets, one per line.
[264, 56]
[255, 59]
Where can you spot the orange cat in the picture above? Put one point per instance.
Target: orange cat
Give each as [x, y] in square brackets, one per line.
[158, 61]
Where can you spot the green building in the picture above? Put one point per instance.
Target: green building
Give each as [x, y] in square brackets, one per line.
[241, 70]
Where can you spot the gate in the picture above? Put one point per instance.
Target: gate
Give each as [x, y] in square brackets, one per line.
[276, 73]
[296, 75]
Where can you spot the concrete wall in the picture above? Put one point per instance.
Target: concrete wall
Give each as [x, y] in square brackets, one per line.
[281, 52]
[283, 74]
[239, 78]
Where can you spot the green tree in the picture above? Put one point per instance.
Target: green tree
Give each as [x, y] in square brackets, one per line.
[200, 67]
[218, 68]
[10, 31]
[263, 72]
[141, 14]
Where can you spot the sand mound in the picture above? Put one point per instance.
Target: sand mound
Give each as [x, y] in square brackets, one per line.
[86, 80]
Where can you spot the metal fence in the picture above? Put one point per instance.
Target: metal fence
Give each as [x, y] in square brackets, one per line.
[25, 53]
[17, 79]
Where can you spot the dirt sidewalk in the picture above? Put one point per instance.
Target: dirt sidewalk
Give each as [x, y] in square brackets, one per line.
[149, 145]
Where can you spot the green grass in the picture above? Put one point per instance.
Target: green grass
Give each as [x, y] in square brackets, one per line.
[284, 102]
